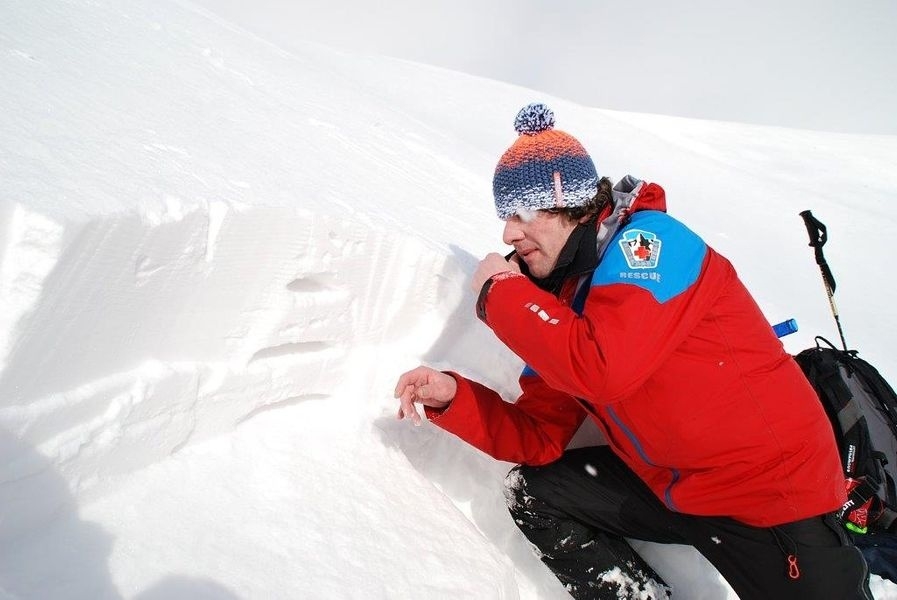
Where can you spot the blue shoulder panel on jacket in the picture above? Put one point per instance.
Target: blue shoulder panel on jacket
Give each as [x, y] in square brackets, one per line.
[655, 252]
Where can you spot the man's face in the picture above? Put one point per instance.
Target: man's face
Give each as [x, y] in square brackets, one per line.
[538, 237]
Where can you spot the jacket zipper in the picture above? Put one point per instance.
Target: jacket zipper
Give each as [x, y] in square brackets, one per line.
[668, 492]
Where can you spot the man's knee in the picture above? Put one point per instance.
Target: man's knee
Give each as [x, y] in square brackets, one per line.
[532, 498]
[525, 497]
[515, 489]
[554, 488]
[528, 488]
[543, 524]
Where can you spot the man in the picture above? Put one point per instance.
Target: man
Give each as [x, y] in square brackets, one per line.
[622, 314]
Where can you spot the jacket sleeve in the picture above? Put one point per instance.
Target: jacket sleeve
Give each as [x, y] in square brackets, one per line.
[633, 319]
[535, 430]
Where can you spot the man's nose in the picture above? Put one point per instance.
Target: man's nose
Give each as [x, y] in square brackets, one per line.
[512, 232]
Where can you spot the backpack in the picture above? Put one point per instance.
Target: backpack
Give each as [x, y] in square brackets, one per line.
[862, 408]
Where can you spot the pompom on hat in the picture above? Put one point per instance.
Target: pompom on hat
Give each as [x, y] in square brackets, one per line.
[544, 168]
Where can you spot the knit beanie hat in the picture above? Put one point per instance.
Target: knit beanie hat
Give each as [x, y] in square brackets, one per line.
[544, 168]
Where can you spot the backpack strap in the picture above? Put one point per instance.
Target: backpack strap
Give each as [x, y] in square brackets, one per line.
[884, 396]
[886, 520]
[890, 486]
[857, 497]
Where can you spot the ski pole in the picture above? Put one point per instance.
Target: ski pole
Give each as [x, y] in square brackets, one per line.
[818, 237]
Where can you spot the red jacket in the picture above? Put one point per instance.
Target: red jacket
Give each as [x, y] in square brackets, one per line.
[676, 364]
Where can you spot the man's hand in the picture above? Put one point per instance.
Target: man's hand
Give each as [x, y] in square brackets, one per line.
[425, 386]
[493, 263]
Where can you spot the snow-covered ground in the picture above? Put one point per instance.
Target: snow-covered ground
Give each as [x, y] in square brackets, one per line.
[216, 256]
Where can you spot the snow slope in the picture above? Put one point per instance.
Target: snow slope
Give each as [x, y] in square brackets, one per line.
[216, 256]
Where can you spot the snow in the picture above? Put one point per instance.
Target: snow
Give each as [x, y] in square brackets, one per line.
[216, 256]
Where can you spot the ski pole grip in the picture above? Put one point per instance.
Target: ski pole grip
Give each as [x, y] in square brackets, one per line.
[815, 229]
[818, 236]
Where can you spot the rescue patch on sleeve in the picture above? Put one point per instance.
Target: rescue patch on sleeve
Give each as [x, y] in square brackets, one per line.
[641, 248]
[635, 256]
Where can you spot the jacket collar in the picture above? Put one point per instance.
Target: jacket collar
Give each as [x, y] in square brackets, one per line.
[578, 256]
[589, 241]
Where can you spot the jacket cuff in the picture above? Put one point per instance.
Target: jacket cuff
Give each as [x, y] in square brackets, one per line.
[484, 291]
[463, 395]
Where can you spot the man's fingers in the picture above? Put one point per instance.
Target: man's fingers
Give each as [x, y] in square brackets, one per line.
[414, 377]
[403, 383]
[420, 385]
[406, 403]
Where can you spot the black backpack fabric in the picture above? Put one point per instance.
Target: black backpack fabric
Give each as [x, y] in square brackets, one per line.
[862, 408]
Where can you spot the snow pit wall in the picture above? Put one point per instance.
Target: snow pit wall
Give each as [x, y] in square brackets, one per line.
[125, 337]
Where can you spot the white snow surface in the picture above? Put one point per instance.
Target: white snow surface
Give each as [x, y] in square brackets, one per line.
[217, 256]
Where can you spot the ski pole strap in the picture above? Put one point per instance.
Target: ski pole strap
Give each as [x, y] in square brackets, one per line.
[818, 237]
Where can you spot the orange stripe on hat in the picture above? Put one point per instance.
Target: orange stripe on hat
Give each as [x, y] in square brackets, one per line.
[547, 145]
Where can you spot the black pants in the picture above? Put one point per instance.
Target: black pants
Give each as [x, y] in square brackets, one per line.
[578, 510]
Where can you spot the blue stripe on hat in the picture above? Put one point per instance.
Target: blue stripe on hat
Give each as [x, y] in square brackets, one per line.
[532, 171]
[530, 184]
